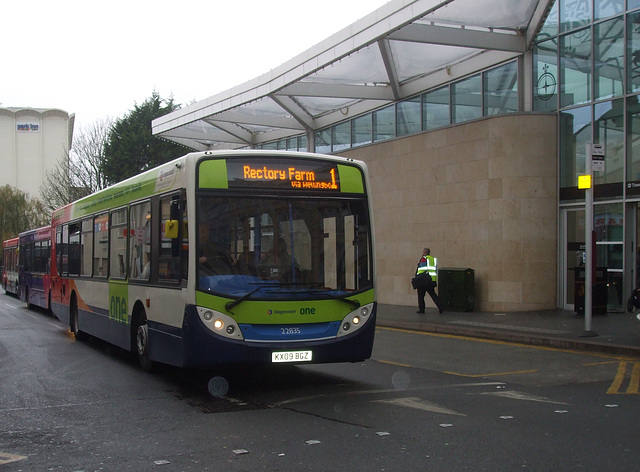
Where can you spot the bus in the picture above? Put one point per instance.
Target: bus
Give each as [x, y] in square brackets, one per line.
[34, 266]
[222, 258]
[10, 266]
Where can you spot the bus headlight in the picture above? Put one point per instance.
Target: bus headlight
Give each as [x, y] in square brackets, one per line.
[355, 320]
[219, 323]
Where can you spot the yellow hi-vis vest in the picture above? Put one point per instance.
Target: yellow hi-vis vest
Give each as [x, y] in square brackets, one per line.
[431, 266]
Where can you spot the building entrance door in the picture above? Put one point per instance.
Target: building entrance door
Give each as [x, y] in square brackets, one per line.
[573, 228]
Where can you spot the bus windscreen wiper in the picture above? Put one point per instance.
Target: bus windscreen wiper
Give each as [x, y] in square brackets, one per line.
[329, 294]
[234, 303]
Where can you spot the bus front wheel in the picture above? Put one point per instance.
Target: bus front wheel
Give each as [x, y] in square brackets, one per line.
[142, 343]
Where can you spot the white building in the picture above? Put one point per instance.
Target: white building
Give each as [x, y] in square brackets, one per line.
[32, 141]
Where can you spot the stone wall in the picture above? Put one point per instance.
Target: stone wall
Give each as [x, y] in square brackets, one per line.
[482, 195]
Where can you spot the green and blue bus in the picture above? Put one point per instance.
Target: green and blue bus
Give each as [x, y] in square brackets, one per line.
[220, 258]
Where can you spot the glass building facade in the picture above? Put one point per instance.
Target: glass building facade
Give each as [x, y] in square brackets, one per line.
[586, 67]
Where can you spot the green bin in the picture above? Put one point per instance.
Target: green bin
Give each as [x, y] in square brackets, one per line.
[456, 288]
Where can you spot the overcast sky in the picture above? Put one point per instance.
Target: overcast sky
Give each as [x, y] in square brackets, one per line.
[97, 59]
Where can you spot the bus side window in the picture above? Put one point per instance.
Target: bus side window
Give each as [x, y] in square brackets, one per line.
[140, 241]
[86, 244]
[74, 249]
[118, 233]
[170, 238]
[59, 250]
[101, 245]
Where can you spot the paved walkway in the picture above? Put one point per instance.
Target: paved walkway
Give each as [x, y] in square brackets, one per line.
[617, 333]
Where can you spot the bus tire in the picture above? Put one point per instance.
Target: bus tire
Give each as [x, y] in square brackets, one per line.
[73, 317]
[141, 341]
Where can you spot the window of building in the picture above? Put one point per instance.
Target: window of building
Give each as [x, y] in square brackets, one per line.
[575, 134]
[607, 8]
[633, 52]
[384, 123]
[341, 136]
[408, 116]
[609, 131]
[609, 58]
[436, 109]
[361, 130]
[466, 99]
[323, 141]
[501, 90]
[633, 4]
[574, 14]
[545, 76]
[550, 27]
[575, 67]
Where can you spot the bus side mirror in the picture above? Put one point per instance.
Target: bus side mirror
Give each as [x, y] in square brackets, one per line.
[171, 229]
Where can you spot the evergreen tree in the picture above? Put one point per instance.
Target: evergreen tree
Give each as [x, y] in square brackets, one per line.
[19, 213]
[131, 148]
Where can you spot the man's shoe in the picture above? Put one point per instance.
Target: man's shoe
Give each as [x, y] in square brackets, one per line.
[440, 310]
[420, 311]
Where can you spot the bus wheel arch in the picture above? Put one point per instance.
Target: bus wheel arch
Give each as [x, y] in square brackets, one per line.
[140, 337]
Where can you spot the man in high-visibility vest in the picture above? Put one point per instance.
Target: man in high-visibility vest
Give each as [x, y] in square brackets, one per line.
[428, 264]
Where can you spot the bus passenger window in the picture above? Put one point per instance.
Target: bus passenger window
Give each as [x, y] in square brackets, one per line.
[86, 243]
[140, 241]
[101, 245]
[74, 249]
[118, 244]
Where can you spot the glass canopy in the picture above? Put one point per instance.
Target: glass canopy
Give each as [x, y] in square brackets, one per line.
[397, 51]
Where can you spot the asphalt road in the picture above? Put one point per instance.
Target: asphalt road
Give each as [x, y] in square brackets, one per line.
[424, 402]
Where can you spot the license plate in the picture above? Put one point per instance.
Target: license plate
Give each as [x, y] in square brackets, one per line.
[291, 356]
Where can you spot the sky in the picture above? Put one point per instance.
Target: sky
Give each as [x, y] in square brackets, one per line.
[99, 59]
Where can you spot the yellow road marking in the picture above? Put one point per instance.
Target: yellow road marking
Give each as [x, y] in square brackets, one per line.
[6, 458]
[395, 363]
[633, 385]
[505, 343]
[491, 375]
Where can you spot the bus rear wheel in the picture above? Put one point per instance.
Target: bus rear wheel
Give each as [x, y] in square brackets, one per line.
[142, 343]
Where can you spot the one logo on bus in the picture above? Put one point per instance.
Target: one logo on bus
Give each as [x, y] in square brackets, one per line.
[118, 309]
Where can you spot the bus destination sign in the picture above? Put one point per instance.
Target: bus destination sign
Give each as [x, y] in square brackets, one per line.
[283, 174]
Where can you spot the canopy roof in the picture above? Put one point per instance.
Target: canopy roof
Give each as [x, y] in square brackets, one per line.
[399, 50]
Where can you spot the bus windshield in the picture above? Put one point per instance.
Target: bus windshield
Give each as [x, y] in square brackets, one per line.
[279, 248]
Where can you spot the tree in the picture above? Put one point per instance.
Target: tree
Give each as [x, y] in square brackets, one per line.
[19, 213]
[79, 172]
[131, 148]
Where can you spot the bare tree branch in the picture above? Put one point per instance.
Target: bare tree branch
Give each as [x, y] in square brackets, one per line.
[80, 171]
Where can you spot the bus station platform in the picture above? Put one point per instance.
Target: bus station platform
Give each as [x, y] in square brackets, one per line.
[611, 333]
